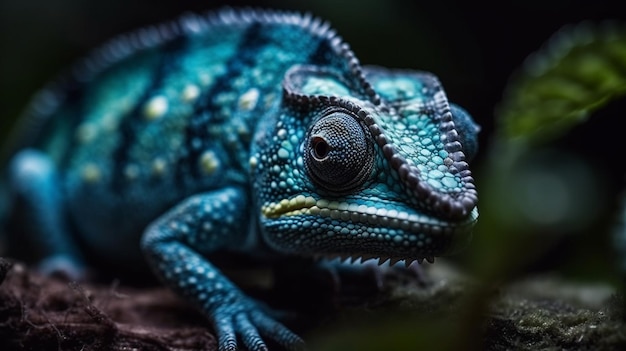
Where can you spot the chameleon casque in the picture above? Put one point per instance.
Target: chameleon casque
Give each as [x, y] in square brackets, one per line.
[244, 131]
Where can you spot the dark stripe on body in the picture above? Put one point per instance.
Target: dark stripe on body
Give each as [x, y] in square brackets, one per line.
[132, 123]
[73, 96]
[322, 54]
[197, 138]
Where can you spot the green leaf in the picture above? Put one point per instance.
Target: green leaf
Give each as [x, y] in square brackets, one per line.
[579, 69]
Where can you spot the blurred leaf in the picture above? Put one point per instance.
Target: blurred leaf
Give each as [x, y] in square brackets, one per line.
[578, 70]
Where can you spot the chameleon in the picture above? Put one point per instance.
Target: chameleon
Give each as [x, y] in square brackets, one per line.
[253, 132]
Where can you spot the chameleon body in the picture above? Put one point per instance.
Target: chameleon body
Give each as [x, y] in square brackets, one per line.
[241, 131]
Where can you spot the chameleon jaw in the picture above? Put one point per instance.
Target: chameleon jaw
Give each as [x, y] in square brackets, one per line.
[369, 215]
[306, 226]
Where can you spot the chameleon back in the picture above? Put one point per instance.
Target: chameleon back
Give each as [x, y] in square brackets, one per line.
[166, 112]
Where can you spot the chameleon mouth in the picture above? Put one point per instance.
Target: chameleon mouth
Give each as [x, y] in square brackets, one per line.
[363, 258]
[411, 222]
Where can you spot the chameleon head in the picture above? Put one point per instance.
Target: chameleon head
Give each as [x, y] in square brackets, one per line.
[373, 166]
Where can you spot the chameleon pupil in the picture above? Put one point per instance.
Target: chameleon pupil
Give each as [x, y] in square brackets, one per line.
[320, 148]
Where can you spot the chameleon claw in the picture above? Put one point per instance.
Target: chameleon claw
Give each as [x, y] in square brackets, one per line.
[227, 339]
[249, 334]
[276, 331]
[251, 325]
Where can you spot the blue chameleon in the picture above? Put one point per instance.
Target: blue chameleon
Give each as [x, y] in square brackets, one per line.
[240, 132]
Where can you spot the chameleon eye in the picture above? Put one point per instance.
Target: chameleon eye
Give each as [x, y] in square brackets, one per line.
[339, 154]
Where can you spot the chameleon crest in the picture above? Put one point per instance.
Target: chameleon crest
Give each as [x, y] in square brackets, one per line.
[249, 132]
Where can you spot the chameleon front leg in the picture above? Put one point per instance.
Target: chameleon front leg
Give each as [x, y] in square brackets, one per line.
[40, 208]
[176, 245]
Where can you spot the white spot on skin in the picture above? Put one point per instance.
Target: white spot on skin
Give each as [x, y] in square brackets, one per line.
[191, 93]
[249, 99]
[158, 166]
[283, 154]
[155, 108]
[253, 162]
[91, 173]
[209, 162]
[282, 133]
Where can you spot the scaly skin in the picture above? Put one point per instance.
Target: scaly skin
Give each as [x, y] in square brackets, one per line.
[254, 132]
